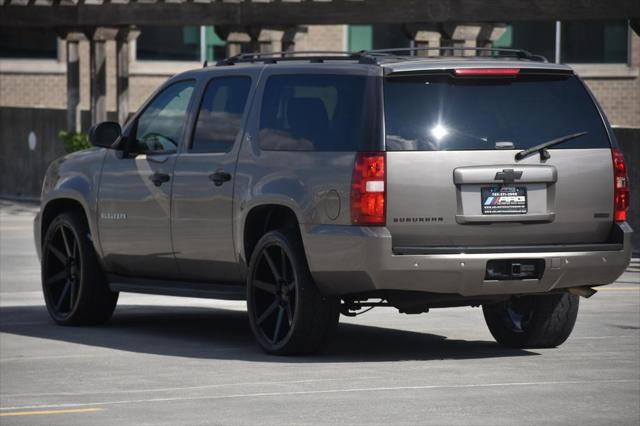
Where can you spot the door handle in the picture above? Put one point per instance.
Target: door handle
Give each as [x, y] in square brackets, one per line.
[220, 177]
[159, 178]
[157, 158]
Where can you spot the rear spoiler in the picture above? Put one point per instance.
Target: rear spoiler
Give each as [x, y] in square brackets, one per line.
[465, 71]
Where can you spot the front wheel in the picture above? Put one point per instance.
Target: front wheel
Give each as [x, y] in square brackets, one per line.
[74, 287]
[287, 312]
[541, 321]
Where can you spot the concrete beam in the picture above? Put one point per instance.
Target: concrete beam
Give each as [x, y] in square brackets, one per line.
[269, 13]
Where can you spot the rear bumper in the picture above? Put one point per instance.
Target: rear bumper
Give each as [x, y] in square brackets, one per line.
[351, 259]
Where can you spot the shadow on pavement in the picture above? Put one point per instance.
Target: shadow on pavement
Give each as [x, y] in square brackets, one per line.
[210, 333]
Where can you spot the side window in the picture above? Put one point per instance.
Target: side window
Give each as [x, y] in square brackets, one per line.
[313, 112]
[159, 127]
[220, 114]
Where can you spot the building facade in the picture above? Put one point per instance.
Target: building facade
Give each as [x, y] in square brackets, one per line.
[606, 54]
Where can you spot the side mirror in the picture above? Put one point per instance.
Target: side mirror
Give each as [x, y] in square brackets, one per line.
[105, 134]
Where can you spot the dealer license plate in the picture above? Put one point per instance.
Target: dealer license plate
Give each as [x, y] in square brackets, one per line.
[504, 200]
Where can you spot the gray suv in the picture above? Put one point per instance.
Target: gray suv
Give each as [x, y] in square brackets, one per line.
[320, 184]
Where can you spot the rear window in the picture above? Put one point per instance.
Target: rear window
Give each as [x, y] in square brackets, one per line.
[314, 112]
[441, 112]
[220, 114]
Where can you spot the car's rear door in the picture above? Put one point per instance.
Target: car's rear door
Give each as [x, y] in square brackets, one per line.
[454, 182]
[135, 189]
[201, 223]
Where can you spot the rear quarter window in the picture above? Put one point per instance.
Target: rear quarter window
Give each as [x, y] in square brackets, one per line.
[315, 112]
[441, 112]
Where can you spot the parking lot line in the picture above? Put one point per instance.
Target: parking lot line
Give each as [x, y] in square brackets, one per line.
[41, 412]
[186, 388]
[325, 391]
[604, 337]
[47, 357]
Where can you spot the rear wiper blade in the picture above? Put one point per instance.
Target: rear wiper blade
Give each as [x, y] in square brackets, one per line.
[542, 148]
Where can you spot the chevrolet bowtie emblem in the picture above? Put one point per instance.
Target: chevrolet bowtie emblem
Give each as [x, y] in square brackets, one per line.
[508, 175]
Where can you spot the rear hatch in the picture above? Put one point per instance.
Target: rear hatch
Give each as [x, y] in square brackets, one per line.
[452, 177]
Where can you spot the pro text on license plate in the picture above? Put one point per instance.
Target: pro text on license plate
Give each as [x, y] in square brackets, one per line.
[504, 200]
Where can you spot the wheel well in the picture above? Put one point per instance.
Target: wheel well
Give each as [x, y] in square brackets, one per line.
[55, 207]
[263, 219]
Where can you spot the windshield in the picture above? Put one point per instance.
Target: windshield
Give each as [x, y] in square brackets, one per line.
[441, 112]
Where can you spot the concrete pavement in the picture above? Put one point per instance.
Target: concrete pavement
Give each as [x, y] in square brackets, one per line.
[164, 360]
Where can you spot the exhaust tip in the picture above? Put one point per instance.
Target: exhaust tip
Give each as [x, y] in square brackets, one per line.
[585, 291]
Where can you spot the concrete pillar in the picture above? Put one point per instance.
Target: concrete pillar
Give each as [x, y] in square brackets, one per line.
[123, 40]
[70, 38]
[98, 71]
[289, 38]
[239, 39]
[422, 36]
[73, 82]
[98, 76]
[489, 33]
[259, 39]
[635, 25]
[255, 44]
[460, 35]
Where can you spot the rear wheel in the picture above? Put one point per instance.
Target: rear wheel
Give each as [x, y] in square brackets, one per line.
[75, 290]
[287, 312]
[543, 321]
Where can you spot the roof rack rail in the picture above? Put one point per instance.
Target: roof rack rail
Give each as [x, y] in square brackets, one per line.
[517, 53]
[369, 56]
[310, 55]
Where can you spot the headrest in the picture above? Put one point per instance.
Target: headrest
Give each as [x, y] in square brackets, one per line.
[308, 118]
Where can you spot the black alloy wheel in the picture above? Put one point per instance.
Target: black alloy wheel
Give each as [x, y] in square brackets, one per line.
[75, 289]
[287, 312]
[517, 315]
[61, 271]
[534, 321]
[274, 294]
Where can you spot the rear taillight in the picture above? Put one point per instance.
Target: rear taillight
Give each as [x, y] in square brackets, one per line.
[368, 189]
[620, 186]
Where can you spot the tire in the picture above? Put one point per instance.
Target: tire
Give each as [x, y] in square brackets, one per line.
[74, 287]
[543, 321]
[287, 312]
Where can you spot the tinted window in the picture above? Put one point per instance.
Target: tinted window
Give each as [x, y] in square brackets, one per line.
[160, 125]
[220, 114]
[538, 37]
[445, 113]
[594, 41]
[313, 113]
[28, 43]
[168, 43]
